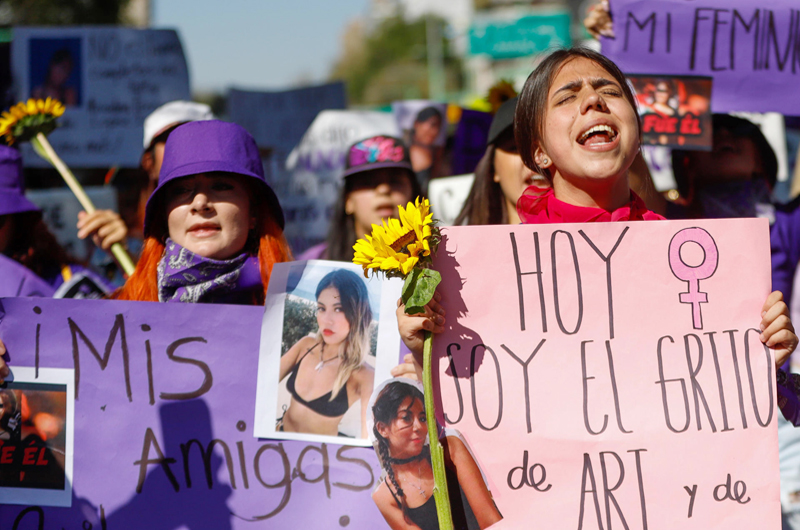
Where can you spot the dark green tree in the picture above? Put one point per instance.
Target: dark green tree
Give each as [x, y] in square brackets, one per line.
[389, 62]
[299, 319]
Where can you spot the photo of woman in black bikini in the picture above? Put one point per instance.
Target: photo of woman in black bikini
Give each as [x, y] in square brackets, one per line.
[326, 371]
[405, 492]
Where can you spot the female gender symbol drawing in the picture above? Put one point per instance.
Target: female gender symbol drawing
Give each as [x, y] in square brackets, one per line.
[693, 274]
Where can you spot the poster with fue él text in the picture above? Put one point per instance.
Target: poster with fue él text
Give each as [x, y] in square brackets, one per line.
[36, 436]
[675, 110]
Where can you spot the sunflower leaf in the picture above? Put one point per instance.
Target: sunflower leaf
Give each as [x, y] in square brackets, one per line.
[410, 284]
[419, 288]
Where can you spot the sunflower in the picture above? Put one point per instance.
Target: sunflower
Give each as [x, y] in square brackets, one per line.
[24, 120]
[397, 245]
[500, 92]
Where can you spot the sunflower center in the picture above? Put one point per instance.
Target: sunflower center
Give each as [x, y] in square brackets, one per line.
[401, 242]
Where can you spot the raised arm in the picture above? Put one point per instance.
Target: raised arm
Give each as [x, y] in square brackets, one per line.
[777, 331]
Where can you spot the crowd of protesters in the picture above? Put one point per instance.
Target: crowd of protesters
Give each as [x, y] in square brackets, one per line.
[212, 227]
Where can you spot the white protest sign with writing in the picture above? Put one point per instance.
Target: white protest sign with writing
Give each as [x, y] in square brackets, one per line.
[108, 78]
[60, 210]
[611, 374]
[447, 196]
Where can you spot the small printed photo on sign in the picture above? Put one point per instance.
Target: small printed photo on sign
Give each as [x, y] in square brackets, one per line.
[55, 70]
[423, 122]
[328, 334]
[398, 430]
[424, 126]
[675, 110]
[36, 433]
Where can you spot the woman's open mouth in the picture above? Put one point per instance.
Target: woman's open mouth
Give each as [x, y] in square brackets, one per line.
[385, 210]
[204, 229]
[327, 332]
[598, 135]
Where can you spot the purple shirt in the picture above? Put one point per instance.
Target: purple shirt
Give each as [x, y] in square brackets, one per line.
[17, 280]
[785, 243]
[316, 252]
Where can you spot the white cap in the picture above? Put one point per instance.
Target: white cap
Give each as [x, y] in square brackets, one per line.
[171, 114]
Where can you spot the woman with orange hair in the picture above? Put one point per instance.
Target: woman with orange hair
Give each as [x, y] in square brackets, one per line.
[213, 227]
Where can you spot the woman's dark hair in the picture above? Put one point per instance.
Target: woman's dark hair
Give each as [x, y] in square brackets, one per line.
[342, 232]
[422, 116]
[34, 246]
[531, 110]
[62, 55]
[384, 411]
[668, 82]
[485, 204]
[353, 294]
[428, 113]
[354, 298]
[9, 402]
[740, 128]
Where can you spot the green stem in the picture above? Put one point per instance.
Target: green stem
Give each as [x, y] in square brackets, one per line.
[440, 493]
[46, 151]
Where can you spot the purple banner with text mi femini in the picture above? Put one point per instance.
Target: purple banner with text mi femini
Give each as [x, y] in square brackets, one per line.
[164, 400]
[750, 48]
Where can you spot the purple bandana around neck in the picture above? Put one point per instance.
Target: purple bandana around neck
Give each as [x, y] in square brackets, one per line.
[184, 276]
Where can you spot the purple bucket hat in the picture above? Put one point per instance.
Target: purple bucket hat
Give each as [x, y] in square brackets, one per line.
[376, 152]
[208, 146]
[12, 191]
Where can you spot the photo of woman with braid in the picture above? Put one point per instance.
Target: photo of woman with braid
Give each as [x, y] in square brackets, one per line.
[405, 494]
[326, 371]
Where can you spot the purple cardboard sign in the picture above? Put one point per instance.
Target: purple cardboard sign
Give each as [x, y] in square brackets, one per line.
[469, 144]
[165, 397]
[751, 50]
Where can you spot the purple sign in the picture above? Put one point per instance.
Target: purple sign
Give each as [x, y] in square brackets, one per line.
[164, 400]
[469, 144]
[751, 50]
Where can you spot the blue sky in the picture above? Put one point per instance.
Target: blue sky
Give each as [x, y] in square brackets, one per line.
[257, 44]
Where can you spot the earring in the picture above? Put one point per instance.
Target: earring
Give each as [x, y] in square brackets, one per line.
[545, 161]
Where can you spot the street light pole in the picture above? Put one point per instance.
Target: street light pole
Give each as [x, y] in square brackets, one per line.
[433, 37]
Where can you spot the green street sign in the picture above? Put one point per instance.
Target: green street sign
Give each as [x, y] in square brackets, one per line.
[503, 38]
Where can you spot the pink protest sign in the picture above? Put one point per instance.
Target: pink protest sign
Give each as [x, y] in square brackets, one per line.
[611, 375]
